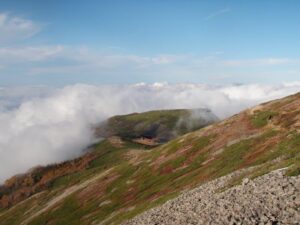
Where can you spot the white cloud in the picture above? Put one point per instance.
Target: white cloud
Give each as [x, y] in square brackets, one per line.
[39, 125]
[217, 13]
[16, 55]
[261, 62]
[13, 28]
[69, 61]
[12, 55]
[38, 63]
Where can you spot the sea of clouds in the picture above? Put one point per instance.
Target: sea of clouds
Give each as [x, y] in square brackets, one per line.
[42, 125]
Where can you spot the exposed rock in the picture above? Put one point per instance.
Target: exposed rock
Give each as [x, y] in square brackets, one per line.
[245, 181]
[272, 199]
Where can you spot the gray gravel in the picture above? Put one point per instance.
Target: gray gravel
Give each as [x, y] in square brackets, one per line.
[270, 199]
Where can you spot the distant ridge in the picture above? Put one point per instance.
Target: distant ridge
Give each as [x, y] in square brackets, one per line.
[160, 125]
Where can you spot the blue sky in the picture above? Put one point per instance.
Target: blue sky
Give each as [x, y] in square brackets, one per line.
[118, 41]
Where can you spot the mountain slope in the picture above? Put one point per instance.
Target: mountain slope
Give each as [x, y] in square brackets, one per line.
[159, 126]
[136, 178]
[140, 130]
[269, 199]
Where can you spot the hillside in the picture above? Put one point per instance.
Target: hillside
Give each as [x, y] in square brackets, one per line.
[120, 179]
[138, 130]
[159, 126]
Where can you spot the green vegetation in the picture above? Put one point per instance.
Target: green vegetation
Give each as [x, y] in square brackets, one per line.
[260, 119]
[14, 217]
[69, 212]
[288, 148]
[294, 170]
[231, 158]
[118, 187]
[173, 146]
[169, 117]
[163, 125]
[176, 163]
[107, 156]
[122, 216]
[145, 124]
[201, 142]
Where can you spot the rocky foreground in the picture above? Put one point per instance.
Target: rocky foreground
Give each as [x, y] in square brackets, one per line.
[270, 199]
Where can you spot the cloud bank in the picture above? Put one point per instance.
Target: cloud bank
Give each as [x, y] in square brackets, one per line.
[41, 125]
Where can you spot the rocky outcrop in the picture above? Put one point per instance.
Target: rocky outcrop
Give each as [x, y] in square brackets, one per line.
[270, 199]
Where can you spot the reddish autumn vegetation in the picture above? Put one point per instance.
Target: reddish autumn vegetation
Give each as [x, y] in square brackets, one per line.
[22, 186]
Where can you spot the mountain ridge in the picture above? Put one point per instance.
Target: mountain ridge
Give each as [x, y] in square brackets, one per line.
[158, 125]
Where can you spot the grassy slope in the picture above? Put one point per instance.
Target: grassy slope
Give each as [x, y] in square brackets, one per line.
[267, 137]
[161, 124]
